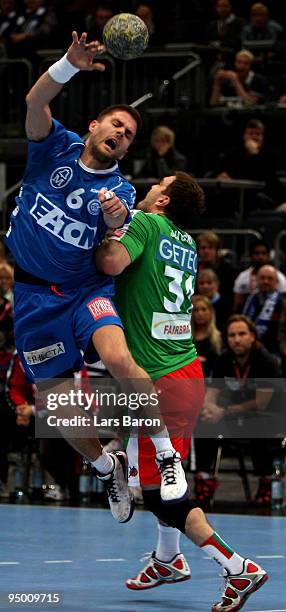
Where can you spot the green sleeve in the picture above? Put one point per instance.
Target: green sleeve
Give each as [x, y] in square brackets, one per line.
[136, 236]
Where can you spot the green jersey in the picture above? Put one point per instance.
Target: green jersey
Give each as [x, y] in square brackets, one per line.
[153, 295]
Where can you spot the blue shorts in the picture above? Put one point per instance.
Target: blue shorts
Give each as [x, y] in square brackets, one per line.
[53, 330]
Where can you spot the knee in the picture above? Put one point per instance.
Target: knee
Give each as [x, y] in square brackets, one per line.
[195, 519]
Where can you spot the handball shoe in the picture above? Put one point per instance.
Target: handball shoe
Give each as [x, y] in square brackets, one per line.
[239, 587]
[116, 485]
[160, 572]
[174, 486]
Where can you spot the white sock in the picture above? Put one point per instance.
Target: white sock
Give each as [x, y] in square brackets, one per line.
[219, 550]
[168, 544]
[162, 441]
[104, 463]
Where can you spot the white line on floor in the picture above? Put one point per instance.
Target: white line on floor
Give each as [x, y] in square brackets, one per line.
[60, 561]
[119, 559]
[9, 562]
[270, 610]
[270, 556]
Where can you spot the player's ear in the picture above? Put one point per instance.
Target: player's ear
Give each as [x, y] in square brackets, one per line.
[163, 201]
[93, 124]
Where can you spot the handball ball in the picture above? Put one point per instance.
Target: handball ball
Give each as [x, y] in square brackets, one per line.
[125, 36]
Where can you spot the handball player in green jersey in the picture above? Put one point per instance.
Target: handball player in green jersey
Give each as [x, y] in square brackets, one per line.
[157, 262]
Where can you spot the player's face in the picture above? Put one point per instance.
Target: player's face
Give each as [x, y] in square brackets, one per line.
[240, 339]
[155, 194]
[111, 137]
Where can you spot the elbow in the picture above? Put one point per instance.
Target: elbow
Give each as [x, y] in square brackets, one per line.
[109, 265]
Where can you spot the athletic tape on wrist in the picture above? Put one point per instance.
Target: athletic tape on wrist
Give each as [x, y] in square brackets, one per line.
[62, 70]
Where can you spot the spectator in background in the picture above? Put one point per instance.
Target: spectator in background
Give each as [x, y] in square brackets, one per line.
[225, 31]
[241, 83]
[261, 27]
[7, 281]
[206, 335]
[246, 368]
[209, 255]
[162, 159]
[253, 161]
[8, 17]
[96, 20]
[265, 308]
[33, 30]
[245, 283]
[20, 397]
[208, 286]
[144, 11]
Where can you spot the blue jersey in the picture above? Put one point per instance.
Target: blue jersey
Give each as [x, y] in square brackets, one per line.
[58, 221]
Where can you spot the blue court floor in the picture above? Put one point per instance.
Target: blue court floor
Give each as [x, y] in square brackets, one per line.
[84, 554]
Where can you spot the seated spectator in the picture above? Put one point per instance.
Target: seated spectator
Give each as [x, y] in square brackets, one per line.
[144, 11]
[226, 29]
[261, 27]
[7, 281]
[207, 337]
[163, 158]
[245, 283]
[241, 84]
[240, 390]
[208, 244]
[8, 17]
[96, 20]
[20, 397]
[33, 30]
[208, 286]
[265, 308]
[253, 161]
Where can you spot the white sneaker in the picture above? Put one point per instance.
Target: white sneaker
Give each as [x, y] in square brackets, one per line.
[116, 485]
[239, 587]
[174, 486]
[158, 572]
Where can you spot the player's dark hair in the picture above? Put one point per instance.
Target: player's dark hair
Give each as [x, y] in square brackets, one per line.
[254, 124]
[109, 110]
[187, 200]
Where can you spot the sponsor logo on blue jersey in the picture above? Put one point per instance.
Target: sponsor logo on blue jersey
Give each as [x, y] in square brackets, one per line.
[93, 207]
[67, 229]
[61, 177]
[183, 257]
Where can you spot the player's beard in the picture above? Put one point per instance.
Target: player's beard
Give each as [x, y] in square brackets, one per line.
[101, 157]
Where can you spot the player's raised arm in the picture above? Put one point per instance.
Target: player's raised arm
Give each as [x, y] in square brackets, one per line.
[80, 56]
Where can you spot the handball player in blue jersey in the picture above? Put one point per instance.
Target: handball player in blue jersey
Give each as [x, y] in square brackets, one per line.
[72, 192]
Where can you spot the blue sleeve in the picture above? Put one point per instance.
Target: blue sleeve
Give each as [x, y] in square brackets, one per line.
[58, 141]
[127, 195]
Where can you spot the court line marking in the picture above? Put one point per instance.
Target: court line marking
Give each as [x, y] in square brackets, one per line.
[9, 562]
[59, 561]
[270, 556]
[270, 610]
[118, 559]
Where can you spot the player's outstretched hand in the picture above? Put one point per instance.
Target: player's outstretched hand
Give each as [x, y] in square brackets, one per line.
[81, 54]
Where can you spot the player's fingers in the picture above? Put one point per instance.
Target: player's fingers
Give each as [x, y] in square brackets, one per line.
[98, 66]
[82, 39]
[74, 37]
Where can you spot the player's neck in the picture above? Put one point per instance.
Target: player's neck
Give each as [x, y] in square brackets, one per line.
[94, 164]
